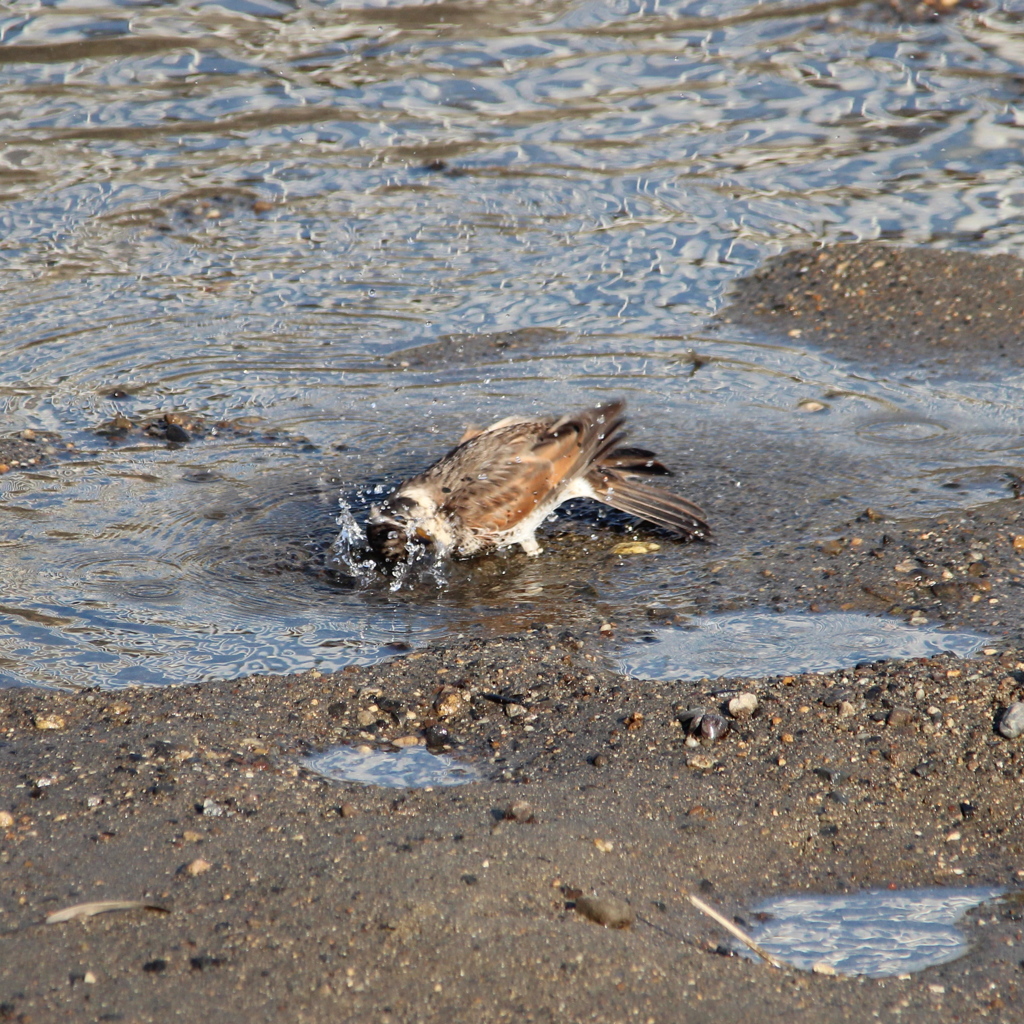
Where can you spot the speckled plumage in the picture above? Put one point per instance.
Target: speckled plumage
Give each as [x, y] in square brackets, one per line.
[499, 484]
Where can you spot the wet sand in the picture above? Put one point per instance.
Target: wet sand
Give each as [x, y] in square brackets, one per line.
[291, 897]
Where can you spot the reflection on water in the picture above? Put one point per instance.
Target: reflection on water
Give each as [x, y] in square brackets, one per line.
[252, 208]
[762, 643]
[871, 933]
[407, 768]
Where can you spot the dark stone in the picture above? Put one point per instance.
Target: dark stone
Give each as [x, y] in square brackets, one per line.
[177, 434]
[899, 717]
[438, 736]
[834, 697]
[200, 963]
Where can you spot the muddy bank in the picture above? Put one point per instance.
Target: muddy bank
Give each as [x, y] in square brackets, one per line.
[890, 306]
[290, 895]
[30, 448]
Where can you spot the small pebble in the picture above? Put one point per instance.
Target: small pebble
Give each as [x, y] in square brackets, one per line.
[212, 809]
[177, 434]
[519, 810]
[898, 717]
[1011, 722]
[606, 911]
[49, 721]
[438, 736]
[635, 547]
[835, 697]
[743, 705]
[713, 727]
[449, 705]
[406, 741]
[6, 819]
[701, 762]
[348, 810]
[515, 710]
[197, 867]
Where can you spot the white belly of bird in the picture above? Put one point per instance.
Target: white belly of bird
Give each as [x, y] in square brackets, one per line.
[523, 532]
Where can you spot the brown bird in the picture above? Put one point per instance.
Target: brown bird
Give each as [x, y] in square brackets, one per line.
[498, 485]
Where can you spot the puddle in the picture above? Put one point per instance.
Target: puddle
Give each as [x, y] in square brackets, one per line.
[876, 933]
[765, 643]
[407, 768]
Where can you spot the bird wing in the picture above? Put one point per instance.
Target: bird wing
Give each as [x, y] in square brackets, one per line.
[620, 489]
[499, 477]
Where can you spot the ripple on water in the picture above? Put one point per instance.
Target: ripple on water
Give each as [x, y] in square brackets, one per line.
[871, 933]
[766, 643]
[407, 768]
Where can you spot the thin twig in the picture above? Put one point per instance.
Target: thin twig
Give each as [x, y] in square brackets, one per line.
[733, 929]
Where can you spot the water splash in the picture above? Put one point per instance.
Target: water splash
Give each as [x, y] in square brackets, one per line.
[350, 556]
[350, 552]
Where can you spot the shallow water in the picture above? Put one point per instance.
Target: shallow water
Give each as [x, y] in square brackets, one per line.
[875, 933]
[407, 768]
[763, 643]
[244, 209]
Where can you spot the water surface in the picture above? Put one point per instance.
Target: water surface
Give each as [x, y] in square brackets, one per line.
[406, 768]
[876, 933]
[247, 210]
[765, 643]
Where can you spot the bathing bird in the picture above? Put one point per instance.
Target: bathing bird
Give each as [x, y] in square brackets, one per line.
[496, 486]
